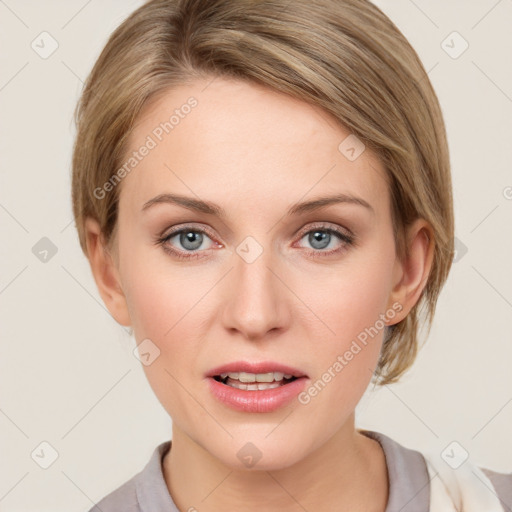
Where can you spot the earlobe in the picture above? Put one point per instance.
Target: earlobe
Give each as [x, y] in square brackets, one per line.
[105, 273]
[414, 271]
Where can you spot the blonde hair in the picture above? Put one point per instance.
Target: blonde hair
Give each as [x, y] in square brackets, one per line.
[345, 56]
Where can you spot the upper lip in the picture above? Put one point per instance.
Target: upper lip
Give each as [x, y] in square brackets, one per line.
[255, 367]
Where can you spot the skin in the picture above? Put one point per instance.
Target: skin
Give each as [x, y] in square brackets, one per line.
[255, 152]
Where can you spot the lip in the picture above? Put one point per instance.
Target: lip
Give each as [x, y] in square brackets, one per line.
[267, 400]
[255, 367]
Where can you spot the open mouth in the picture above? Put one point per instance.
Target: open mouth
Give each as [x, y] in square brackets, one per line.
[256, 387]
[254, 381]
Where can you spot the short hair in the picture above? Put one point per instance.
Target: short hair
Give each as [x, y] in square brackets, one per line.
[345, 56]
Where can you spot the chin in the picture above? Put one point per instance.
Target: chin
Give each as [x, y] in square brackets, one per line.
[259, 454]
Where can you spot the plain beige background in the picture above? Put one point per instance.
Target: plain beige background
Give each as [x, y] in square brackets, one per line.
[68, 376]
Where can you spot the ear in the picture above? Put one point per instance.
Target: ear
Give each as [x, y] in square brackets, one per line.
[105, 273]
[410, 276]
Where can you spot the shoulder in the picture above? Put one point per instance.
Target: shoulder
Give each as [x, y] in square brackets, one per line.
[409, 482]
[146, 490]
[464, 483]
[123, 498]
[502, 483]
[433, 484]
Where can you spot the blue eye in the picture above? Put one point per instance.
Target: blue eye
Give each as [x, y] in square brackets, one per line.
[320, 238]
[191, 240]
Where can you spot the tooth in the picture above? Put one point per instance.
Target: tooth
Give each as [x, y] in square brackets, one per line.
[268, 386]
[245, 377]
[256, 377]
[259, 386]
[265, 377]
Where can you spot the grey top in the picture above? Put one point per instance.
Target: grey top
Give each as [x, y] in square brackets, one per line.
[409, 483]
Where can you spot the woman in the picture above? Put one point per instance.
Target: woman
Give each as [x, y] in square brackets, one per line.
[263, 192]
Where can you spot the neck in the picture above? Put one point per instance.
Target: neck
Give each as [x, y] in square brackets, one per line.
[340, 473]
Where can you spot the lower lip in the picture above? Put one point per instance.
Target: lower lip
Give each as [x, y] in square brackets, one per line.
[266, 400]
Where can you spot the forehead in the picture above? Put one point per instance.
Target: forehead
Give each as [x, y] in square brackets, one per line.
[227, 140]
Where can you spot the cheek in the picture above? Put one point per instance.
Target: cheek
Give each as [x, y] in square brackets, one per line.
[161, 303]
[351, 305]
[158, 293]
[352, 297]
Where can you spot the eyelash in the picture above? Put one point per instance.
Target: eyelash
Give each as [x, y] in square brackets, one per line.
[347, 239]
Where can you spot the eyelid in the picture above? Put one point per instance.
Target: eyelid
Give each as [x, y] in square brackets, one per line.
[306, 229]
[326, 226]
[191, 226]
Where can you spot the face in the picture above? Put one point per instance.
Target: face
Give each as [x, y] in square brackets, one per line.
[261, 282]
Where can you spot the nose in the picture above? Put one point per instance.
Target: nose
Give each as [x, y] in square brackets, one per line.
[256, 297]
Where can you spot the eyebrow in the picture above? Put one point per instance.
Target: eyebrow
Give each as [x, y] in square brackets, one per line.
[210, 208]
